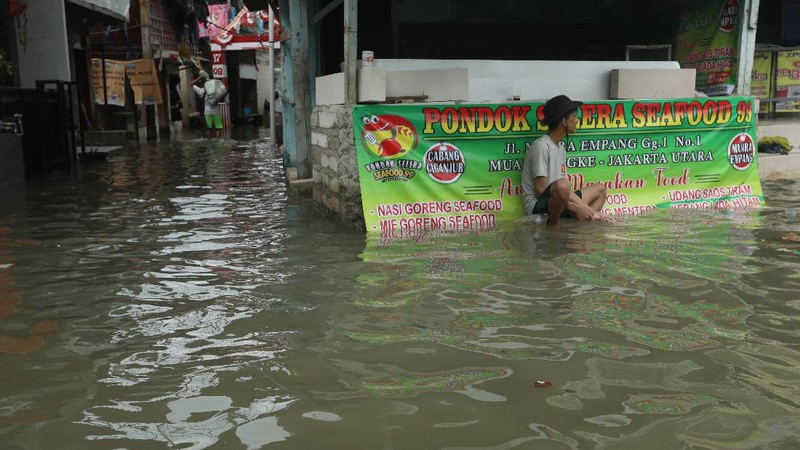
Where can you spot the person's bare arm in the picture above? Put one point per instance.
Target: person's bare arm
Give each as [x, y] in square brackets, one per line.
[583, 211]
[539, 185]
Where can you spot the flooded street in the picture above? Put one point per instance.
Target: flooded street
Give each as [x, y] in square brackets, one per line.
[179, 295]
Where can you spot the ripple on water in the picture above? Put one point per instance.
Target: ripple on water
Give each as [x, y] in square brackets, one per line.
[200, 304]
[322, 416]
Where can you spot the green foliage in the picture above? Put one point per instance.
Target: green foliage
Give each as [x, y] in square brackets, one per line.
[6, 66]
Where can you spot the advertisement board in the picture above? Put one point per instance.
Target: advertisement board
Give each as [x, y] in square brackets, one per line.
[143, 77]
[708, 40]
[761, 78]
[453, 167]
[787, 81]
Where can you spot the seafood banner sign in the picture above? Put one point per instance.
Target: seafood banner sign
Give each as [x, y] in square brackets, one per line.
[449, 167]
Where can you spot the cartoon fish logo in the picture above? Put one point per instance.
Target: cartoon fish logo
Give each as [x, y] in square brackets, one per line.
[388, 135]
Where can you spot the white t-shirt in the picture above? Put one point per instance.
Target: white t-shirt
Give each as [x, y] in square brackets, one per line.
[208, 108]
[544, 159]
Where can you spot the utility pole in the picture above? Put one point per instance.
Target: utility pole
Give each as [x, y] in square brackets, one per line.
[747, 46]
[271, 95]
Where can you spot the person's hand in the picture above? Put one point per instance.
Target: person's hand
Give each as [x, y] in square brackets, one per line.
[602, 217]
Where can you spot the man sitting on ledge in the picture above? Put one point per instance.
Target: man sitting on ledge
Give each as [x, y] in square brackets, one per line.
[545, 187]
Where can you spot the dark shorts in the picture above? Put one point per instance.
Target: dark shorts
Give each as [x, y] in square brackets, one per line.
[541, 204]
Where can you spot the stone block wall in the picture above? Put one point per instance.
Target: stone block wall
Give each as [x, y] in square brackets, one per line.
[336, 186]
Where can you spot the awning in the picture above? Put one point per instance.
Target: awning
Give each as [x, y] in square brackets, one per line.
[117, 9]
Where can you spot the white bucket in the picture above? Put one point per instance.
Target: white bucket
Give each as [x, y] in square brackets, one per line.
[367, 58]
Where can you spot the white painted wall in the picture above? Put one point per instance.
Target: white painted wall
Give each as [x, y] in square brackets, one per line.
[495, 80]
[491, 80]
[262, 81]
[46, 53]
[247, 71]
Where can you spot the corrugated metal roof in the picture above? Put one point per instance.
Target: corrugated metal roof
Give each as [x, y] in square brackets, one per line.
[117, 9]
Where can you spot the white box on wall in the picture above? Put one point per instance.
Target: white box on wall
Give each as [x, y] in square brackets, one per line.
[330, 89]
[651, 83]
[371, 85]
[440, 85]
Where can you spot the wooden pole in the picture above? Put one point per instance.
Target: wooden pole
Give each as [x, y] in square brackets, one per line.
[271, 94]
[350, 50]
[302, 86]
[105, 87]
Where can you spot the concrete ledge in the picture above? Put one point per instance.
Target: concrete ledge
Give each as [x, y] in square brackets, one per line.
[302, 185]
[774, 166]
[789, 129]
[105, 138]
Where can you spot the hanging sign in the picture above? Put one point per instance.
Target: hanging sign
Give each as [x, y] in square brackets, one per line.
[115, 81]
[219, 65]
[143, 77]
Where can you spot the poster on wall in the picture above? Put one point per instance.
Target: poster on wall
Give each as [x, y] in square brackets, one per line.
[143, 77]
[708, 40]
[115, 81]
[454, 167]
[787, 81]
[761, 79]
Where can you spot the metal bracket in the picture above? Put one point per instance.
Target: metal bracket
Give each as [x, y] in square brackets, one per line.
[15, 126]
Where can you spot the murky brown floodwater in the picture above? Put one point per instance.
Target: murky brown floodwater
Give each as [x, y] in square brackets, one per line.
[178, 296]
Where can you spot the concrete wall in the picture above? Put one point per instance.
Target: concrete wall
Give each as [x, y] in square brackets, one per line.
[772, 166]
[12, 174]
[501, 80]
[42, 48]
[337, 191]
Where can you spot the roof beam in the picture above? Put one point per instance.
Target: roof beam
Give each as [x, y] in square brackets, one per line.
[325, 11]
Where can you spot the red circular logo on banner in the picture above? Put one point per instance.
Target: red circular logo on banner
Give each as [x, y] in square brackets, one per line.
[741, 151]
[729, 16]
[444, 162]
[388, 135]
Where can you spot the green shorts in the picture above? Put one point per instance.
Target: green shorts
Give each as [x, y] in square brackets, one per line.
[214, 121]
[541, 204]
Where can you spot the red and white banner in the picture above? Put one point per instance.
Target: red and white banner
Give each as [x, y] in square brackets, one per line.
[219, 66]
[257, 21]
[218, 18]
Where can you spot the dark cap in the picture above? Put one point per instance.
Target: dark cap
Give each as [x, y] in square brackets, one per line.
[558, 107]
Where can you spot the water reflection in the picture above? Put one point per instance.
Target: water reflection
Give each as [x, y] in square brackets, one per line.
[630, 323]
[26, 338]
[185, 313]
[200, 304]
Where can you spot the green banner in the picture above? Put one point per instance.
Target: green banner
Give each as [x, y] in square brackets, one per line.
[708, 40]
[453, 167]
